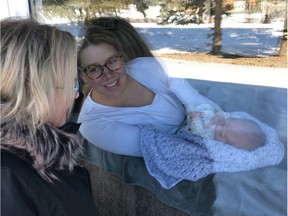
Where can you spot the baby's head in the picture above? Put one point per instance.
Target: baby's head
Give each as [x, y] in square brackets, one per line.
[241, 133]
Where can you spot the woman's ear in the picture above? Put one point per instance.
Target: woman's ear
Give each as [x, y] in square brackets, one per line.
[86, 89]
[83, 77]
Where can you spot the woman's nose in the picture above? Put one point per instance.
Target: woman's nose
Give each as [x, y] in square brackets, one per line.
[107, 74]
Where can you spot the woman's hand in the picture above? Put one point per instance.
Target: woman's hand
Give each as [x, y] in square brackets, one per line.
[195, 114]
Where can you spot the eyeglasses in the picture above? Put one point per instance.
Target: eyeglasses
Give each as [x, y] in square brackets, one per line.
[76, 86]
[96, 71]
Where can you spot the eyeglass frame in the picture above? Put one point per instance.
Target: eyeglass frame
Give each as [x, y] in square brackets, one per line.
[84, 70]
[76, 86]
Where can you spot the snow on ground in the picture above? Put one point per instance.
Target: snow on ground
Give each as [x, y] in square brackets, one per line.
[237, 38]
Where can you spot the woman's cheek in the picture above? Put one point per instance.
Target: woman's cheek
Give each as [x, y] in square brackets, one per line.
[61, 111]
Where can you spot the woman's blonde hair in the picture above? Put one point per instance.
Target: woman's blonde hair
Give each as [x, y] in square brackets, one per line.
[36, 61]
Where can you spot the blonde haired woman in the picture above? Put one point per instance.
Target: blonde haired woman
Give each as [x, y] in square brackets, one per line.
[39, 83]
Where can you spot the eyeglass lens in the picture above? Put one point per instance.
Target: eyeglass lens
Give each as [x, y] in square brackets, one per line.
[96, 71]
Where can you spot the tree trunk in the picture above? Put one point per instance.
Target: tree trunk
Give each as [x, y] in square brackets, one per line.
[283, 46]
[217, 38]
[37, 10]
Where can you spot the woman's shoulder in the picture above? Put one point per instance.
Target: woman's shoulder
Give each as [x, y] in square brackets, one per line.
[26, 185]
[16, 162]
[145, 62]
[143, 59]
[146, 67]
[19, 167]
[17, 174]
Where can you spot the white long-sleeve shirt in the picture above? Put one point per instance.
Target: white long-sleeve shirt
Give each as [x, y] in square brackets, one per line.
[115, 129]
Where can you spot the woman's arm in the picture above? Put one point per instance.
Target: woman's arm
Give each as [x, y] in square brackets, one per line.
[115, 137]
[188, 95]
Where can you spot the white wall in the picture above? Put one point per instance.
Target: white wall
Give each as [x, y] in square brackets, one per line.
[11, 8]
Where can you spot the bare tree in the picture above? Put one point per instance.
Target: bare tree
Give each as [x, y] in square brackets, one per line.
[283, 46]
[217, 36]
[37, 10]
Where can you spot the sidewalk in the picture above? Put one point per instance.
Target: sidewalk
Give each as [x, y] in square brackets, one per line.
[251, 75]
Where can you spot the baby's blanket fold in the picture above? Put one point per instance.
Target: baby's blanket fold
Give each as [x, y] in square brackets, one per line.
[171, 158]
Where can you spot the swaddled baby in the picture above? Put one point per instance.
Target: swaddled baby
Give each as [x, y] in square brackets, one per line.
[207, 122]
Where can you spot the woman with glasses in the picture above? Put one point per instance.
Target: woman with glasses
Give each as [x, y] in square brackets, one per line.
[39, 171]
[129, 88]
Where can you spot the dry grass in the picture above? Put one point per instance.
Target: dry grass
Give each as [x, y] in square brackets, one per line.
[273, 61]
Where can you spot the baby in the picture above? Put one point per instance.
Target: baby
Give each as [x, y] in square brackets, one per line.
[207, 122]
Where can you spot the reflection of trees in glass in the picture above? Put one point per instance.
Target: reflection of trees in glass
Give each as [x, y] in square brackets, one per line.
[77, 9]
[197, 11]
[84, 9]
[173, 11]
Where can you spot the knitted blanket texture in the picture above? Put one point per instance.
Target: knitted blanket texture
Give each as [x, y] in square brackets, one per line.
[171, 158]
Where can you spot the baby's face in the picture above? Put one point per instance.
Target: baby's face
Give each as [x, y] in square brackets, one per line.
[220, 131]
[226, 132]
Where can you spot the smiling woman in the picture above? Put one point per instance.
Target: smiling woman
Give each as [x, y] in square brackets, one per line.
[108, 149]
[138, 93]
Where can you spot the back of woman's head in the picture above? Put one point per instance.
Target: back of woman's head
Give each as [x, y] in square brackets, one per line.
[35, 60]
[130, 41]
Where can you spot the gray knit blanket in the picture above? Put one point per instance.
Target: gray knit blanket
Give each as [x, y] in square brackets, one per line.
[171, 158]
